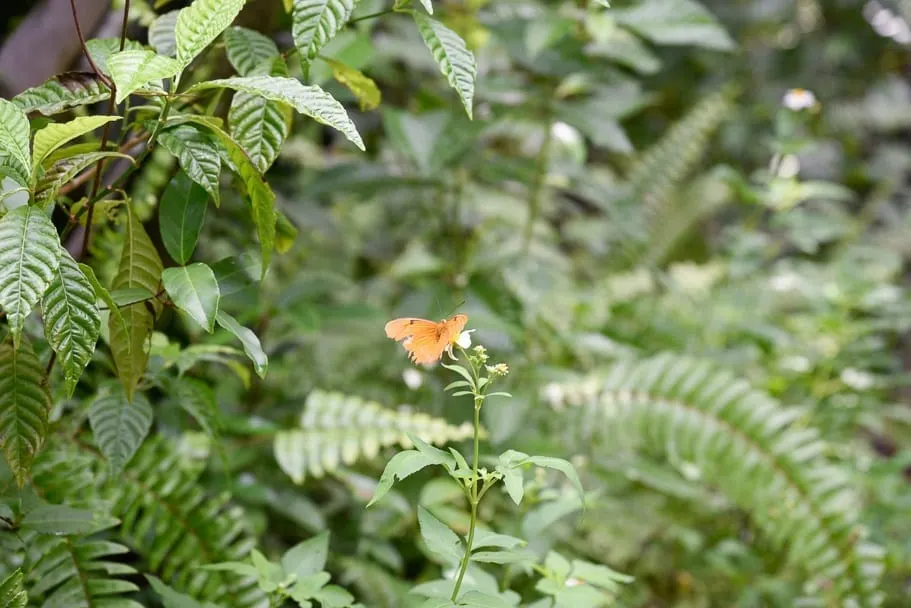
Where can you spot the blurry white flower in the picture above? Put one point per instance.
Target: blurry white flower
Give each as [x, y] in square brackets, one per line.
[799, 99]
[789, 166]
[464, 339]
[553, 394]
[784, 282]
[413, 378]
[857, 379]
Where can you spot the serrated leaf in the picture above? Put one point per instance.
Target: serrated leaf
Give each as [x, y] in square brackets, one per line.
[181, 214]
[65, 169]
[252, 347]
[311, 100]
[456, 62]
[315, 22]
[72, 321]
[56, 134]
[199, 24]
[132, 70]
[197, 154]
[12, 591]
[260, 126]
[62, 92]
[248, 50]
[362, 86]
[162, 35]
[29, 255]
[140, 266]
[24, 406]
[14, 139]
[405, 464]
[119, 425]
[194, 290]
[675, 22]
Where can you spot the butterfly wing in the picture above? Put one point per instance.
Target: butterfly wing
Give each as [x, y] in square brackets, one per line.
[454, 326]
[399, 329]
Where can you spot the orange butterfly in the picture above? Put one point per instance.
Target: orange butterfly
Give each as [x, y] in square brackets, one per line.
[425, 340]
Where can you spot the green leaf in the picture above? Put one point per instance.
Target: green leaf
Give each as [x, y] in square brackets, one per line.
[486, 538]
[439, 538]
[198, 156]
[456, 62]
[24, 406]
[363, 87]
[333, 596]
[72, 321]
[315, 22]
[675, 22]
[162, 35]
[194, 290]
[599, 575]
[515, 484]
[311, 101]
[199, 24]
[130, 295]
[63, 92]
[56, 134]
[60, 520]
[173, 599]
[104, 295]
[564, 466]
[270, 575]
[308, 557]
[65, 169]
[119, 425]
[198, 400]
[260, 126]
[14, 139]
[140, 266]
[478, 599]
[102, 48]
[181, 214]
[12, 591]
[248, 339]
[29, 255]
[248, 50]
[134, 69]
[407, 463]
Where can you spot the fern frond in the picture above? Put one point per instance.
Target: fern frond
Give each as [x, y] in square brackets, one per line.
[340, 429]
[747, 444]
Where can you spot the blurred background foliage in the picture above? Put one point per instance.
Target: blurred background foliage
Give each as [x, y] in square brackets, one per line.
[637, 181]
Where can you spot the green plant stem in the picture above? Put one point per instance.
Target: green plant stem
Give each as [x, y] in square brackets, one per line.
[372, 15]
[474, 497]
[537, 186]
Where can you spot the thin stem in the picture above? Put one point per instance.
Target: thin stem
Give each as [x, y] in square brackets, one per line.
[467, 557]
[474, 497]
[537, 186]
[372, 15]
[106, 131]
[85, 50]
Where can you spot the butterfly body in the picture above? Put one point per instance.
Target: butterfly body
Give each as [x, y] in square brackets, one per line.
[426, 340]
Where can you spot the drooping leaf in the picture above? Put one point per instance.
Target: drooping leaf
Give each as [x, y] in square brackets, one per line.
[248, 50]
[65, 169]
[405, 464]
[311, 101]
[131, 70]
[56, 134]
[194, 290]
[248, 339]
[199, 24]
[12, 591]
[140, 266]
[14, 138]
[119, 425]
[62, 92]
[260, 126]
[315, 22]
[161, 34]
[29, 255]
[456, 62]
[181, 214]
[197, 154]
[72, 321]
[24, 406]
[363, 87]
[675, 22]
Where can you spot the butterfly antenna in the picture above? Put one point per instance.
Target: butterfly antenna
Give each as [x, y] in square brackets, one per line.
[457, 306]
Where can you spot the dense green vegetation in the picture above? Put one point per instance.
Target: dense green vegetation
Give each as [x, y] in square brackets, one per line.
[678, 230]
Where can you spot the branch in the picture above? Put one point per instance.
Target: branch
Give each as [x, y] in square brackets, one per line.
[85, 50]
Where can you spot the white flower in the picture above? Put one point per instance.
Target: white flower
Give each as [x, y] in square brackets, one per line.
[799, 99]
[464, 339]
[413, 378]
[857, 379]
[553, 393]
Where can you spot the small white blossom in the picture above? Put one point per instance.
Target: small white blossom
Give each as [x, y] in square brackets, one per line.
[799, 99]
[857, 379]
[464, 339]
[413, 378]
[553, 393]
